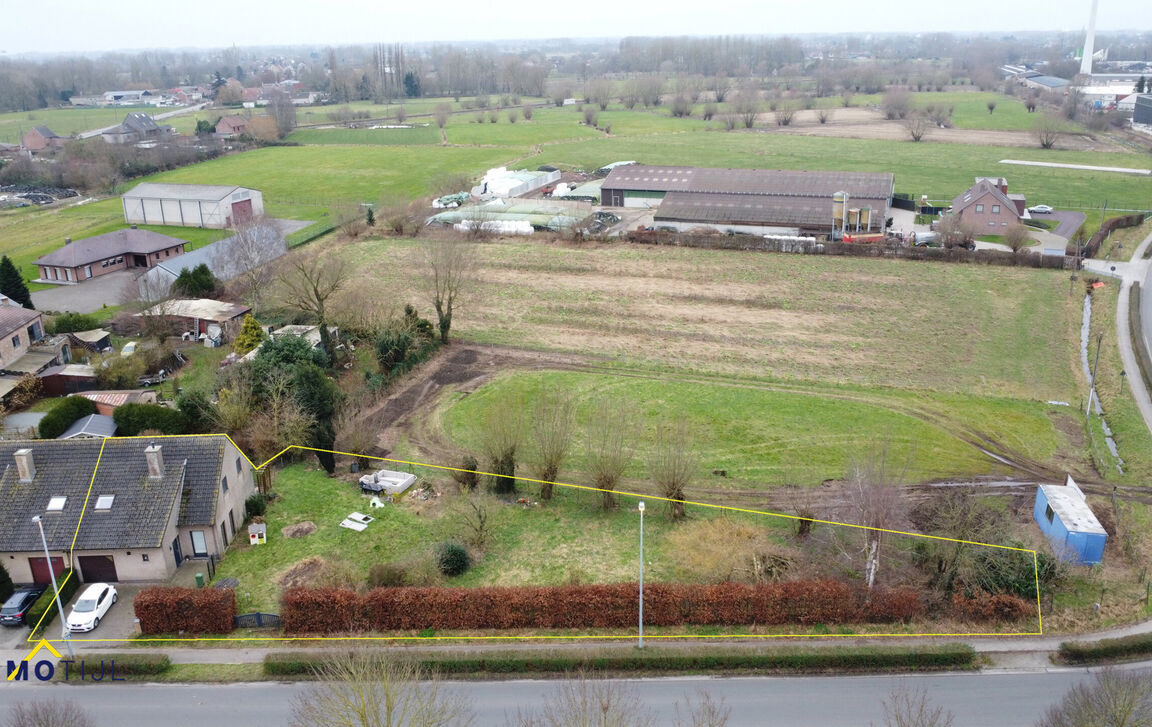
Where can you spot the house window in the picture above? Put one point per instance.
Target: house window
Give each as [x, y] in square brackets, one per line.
[1048, 513]
[237, 465]
[223, 484]
[104, 264]
[144, 556]
[68, 274]
[88, 271]
[199, 545]
[1003, 224]
[104, 502]
[16, 341]
[995, 209]
[223, 533]
[119, 259]
[979, 208]
[56, 504]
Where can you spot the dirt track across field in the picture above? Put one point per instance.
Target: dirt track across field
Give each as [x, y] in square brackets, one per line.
[859, 123]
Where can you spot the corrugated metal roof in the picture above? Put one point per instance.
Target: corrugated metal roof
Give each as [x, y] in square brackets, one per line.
[788, 183]
[203, 308]
[750, 209]
[93, 425]
[201, 192]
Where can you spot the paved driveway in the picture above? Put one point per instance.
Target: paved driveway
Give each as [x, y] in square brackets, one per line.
[1069, 222]
[85, 297]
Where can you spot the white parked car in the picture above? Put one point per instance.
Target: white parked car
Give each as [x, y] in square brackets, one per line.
[93, 603]
[1042, 209]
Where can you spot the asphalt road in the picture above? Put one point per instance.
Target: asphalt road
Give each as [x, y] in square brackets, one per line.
[977, 700]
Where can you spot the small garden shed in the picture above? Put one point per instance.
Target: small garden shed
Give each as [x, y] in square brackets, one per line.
[1063, 514]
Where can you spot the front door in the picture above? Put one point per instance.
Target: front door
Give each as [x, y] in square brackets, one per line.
[176, 550]
[40, 573]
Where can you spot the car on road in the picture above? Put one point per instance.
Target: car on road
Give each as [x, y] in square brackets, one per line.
[93, 603]
[1041, 209]
[14, 610]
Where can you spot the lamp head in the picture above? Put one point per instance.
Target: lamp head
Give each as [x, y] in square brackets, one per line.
[35, 518]
[641, 506]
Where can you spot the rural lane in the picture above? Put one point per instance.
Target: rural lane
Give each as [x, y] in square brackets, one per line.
[1001, 699]
[1139, 270]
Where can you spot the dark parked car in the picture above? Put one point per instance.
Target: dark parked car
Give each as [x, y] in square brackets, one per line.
[14, 609]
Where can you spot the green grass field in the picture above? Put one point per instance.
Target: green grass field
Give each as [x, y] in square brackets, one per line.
[384, 137]
[547, 125]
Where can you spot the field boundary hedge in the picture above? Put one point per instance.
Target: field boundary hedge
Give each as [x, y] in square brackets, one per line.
[1088, 652]
[657, 659]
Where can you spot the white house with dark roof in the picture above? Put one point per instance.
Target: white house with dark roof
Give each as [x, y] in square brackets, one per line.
[191, 205]
[152, 503]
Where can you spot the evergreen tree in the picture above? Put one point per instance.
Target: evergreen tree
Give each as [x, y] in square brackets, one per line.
[1141, 85]
[251, 335]
[196, 282]
[12, 285]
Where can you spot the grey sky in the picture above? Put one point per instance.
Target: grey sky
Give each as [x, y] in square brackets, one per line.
[85, 25]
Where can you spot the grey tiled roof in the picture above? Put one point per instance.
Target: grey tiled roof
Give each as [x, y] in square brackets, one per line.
[781, 182]
[110, 244]
[93, 425]
[14, 319]
[142, 507]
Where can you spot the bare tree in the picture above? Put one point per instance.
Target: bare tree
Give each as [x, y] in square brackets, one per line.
[824, 115]
[719, 85]
[609, 443]
[1016, 237]
[355, 435]
[897, 102]
[366, 689]
[991, 105]
[310, 280]
[589, 702]
[955, 230]
[254, 244]
[441, 114]
[401, 114]
[280, 421]
[451, 266]
[672, 464]
[747, 107]
[1047, 130]
[916, 125]
[472, 513]
[553, 420]
[283, 111]
[502, 437]
[706, 711]
[906, 707]
[877, 506]
[784, 115]
[48, 713]
[1112, 699]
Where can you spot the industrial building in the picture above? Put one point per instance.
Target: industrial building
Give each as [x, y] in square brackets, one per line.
[191, 205]
[1142, 110]
[758, 201]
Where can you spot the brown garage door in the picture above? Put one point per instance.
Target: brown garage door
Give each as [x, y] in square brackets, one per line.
[39, 566]
[241, 212]
[98, 569]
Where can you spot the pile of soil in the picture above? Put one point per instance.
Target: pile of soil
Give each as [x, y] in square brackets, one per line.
[303, 573]
[299, 530]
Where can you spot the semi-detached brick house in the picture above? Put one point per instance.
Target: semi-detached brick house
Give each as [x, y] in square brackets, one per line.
[153, 503]
[988, 207]
[89, 258]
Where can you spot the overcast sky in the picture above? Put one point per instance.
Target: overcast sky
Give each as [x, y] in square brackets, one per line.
[87, 25]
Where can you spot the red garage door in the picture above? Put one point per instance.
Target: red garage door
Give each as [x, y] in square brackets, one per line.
[39, 566]
[97, 568]
[241, 211]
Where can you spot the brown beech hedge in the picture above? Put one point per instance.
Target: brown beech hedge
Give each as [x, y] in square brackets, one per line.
[332, 610]
[170, 610]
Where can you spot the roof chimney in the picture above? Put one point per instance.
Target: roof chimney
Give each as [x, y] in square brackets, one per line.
[67, 240]
[155, 461]
[25, 464]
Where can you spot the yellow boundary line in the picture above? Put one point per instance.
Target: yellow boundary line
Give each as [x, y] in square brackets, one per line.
[624, 493]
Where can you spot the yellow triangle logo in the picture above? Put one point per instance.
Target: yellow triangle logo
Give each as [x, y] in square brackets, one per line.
[43, 644]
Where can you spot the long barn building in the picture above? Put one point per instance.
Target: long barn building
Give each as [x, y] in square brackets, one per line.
[191, 205]
[759, 201]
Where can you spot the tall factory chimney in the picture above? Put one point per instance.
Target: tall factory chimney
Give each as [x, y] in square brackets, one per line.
[1089, 42]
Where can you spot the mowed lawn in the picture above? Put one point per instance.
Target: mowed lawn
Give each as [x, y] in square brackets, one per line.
[991, 331]
[67, 121]
[761, 436]
[323, 174]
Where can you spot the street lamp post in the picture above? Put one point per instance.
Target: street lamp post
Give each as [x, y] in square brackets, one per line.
[52, 572]
[641, 644]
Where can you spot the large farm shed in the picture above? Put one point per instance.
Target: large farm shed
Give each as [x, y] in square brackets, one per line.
[762, 201]
[191, 205]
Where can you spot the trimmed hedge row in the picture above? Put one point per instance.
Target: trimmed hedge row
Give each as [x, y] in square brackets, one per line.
[1126, 647]
[170, 610]
[331, 610]
[125, 665]
[850, 658]
[69, 583]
